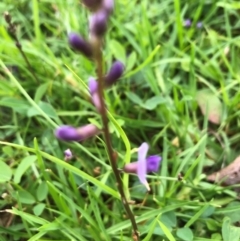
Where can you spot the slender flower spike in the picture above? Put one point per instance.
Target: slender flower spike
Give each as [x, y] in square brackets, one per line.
[79, 44]
[69, 133]
[68, 155]
[98, 23]
[144, 164]
[114, 73]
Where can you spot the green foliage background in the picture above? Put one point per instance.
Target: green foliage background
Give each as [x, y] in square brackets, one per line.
[167, 66]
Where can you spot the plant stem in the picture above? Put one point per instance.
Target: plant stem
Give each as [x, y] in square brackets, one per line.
[112, 157]
[12, 32]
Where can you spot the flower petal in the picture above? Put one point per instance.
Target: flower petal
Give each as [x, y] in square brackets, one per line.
[142, 164]
[153, 163]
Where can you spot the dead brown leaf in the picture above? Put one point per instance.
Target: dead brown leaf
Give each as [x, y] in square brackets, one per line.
[229, 175]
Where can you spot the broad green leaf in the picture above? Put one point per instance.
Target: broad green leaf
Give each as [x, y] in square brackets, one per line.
[134, 98]
[38, 209]
[131, 61]
[24, 197]
[42, 191]
[185, 234]
[234, 215]
[5, 172]
[210, 105]
[169, 219]
[23, 166]
[118, 51]
[153, 102]
[19, 105]
[41, 90]
[230, 233]
[46, 108]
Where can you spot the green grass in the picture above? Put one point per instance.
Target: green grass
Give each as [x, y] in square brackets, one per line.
[45, 198]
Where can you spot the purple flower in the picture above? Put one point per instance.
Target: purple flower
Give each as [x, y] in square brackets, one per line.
[144, 164]
[108, 5]
[98, 23]
[78, 43]
[199, 25]
[187, 23]
[68, 155]
[69, 133]
[114, 73]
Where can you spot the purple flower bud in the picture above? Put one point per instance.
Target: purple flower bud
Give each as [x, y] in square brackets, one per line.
[144, 164]
[69, 133]
[98, 23]
[199, 25]
[108, 5]
[114, 73]
[93, 85]
[92, 4]
[68, 155]
[78, 43]
[187, 23]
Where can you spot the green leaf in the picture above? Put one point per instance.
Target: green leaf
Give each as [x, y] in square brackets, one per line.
[230, 233]
[153, 102]
[210, 105]
[23, 166]
[134, 98]
[131, 61]
[118, 51]
[185, 234]
[18, 105]
[234, 215]
[38, 209]
[41, 90]
[42, 191]
[169, 219]
[5, 172]
[47, 108]
[24, 197]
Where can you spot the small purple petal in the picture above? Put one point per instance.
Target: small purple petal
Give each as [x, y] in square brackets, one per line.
[68, 155]
[67, 133]
[96, 101]
[187, 23]
[153, 163]
[98, 23]
[199, 25]
[93, 85]
[114, 73]
[108, 5]
[78, 43]
[142, 164]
